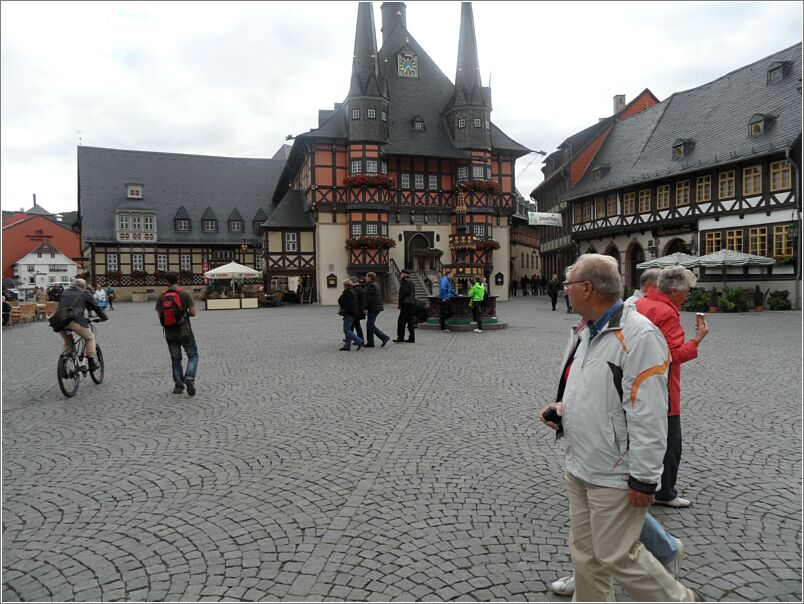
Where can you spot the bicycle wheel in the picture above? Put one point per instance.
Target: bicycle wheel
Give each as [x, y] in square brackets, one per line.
[97, 375]
[68, 374]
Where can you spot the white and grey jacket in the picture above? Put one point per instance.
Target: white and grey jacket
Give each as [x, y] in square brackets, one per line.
[615, 403]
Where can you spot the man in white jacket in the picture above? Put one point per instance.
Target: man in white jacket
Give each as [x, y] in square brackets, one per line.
[612, 403]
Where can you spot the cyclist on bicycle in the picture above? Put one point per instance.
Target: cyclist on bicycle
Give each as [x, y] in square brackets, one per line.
[80, 300]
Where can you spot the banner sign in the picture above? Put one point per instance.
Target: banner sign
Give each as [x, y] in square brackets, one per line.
[544, 218]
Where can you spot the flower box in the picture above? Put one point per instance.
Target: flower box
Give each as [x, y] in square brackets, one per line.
[369, 180]
[370, 241]
[489, 186]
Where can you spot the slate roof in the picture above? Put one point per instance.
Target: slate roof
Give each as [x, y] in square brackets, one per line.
[715, 116]
[172, 181]
[290, 213]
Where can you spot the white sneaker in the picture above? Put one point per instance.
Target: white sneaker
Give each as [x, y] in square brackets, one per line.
[478, 331]
[445, 331]
[565, 586]
[674, 566]
[678, 502]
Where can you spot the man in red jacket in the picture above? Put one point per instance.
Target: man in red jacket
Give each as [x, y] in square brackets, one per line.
[661, 306]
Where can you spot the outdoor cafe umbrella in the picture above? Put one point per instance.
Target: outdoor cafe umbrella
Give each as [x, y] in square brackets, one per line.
[671, 260]
[727, 258]
[234, 271]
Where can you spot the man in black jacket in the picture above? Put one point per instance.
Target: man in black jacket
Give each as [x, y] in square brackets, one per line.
[80, 300]
[553, 287]
[373, 307]
[407, 308]
[349, 311]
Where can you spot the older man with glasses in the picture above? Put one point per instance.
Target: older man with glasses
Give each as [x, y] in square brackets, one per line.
[612, 406]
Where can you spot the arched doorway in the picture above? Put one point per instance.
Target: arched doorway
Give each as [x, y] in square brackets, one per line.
[635, 255]
[416, 243]
[675, 245]
[613, 251]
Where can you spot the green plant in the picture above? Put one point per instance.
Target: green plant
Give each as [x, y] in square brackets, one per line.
[732, 300]
[697, 301]
[714, 299]
[779, 300]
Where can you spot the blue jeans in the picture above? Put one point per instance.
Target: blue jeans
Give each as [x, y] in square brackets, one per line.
[191, 349]
[657, 540]
[348, 324]
[372, 329]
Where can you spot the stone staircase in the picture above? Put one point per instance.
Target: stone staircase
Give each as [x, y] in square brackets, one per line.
[421, 289]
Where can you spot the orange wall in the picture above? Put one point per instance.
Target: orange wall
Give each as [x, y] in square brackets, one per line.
[584, 158]
[26, 236]
[644, 101]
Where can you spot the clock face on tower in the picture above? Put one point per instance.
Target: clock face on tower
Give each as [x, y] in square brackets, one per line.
[408, 65]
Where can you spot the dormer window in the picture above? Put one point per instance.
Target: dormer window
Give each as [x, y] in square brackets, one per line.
[599, 172]
[418, 123]
[682, 147]
[372, 114]
[235, 226]
[133, 190]
[182, 225]
[209, 226]
[777, 71]
[759, 124]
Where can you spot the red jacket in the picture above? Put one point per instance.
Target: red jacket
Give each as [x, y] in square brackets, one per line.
[661, 311]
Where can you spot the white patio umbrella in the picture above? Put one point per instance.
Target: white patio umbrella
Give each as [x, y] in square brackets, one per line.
[664, 261]
[233, 270]
[724, 258]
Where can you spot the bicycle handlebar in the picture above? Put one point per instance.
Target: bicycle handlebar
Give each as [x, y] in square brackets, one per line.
[95, 320]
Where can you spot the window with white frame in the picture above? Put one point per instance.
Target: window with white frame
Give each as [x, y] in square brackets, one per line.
[31, 268]
[209, 226]
[703, 189]
[122, 222]
[185, 262]
[461, 123]
[148, 223]
[683, 193]
[480, 230]
[182, 225]
[463, 173]
[432, 182]
[418, 181]
[136, 222]
[478, 172]
[356, 166]
[662, 197]
[161, 262]
[112, 263]
[478, 122]
[355, 114]
[291, 242]
[384, 116]
[752, 180]
[223, 254]
[371, 166]
[405, 181]
[371, 229]
[235, 226]
[372, 114]
[611, 205]
[725, 187]
[644, 201]
[137, 262]
[780, 175]
[384, 167]
[357, 230]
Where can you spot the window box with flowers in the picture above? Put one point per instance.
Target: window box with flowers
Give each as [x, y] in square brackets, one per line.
[369, 180]
[487, 245]
[488, 186]
[138, 274]
[114, 274]
[784, 260]
[430, 252]
[370, 241]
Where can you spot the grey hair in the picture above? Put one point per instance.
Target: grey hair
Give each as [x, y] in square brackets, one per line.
[652, 274]
[676, 277]
[79, 283]
[602, 272]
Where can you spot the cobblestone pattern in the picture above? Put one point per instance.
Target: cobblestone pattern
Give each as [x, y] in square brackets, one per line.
[410, 472]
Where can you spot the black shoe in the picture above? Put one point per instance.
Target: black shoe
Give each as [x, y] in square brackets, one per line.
[344, 349]
[398, 341]
[368, 346]
[410, 341]
[359, 346]
[190, 383]
[178, 390]
[385, 340]
[93, 364]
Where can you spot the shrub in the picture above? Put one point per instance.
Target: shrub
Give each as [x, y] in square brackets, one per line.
[697, 301]
[714, 299]
[759, 297]
[732, 300]
[779, 300]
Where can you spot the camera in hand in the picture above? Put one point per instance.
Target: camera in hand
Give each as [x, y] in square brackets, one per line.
[551, 415]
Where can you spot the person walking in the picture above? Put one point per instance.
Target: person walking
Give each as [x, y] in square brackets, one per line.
[514, 287]
[174, 307]
[349, 310]
[661, 306]
[374, 307]
[477, 295]
[553, 287]
[534, 285]
[110, 297]
[524, 282]
[407, 309]
[543, 286]
[614, 443]
[445, 294]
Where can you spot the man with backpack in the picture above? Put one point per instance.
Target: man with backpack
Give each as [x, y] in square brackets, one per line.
[73, 304]
[174, 308]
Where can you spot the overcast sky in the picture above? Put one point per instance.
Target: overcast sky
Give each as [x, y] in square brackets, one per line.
[232, 78]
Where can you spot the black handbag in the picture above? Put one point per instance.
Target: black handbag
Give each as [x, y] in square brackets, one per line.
[61, 318]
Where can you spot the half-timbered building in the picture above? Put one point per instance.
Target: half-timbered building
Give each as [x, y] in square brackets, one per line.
[714, 167]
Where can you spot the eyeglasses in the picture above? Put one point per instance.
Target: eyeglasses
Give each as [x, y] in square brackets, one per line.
[566, 284]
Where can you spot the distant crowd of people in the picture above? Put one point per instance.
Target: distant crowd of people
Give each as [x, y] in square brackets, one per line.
[540, 286]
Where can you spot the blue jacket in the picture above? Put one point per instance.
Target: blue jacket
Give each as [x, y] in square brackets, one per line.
[445, 291]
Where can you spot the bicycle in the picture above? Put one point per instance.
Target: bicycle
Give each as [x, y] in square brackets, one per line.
[73, 364]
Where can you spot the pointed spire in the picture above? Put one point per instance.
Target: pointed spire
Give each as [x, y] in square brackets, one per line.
[366, 63]
[468, 73]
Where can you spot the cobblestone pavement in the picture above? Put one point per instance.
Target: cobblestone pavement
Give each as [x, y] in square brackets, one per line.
[410, 472]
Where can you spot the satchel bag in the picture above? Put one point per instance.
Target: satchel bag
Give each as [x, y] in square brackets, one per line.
[420, 312]
[61, 318]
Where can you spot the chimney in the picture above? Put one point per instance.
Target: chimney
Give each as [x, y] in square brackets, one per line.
[34, 196]
[392, 13]
[619, 103]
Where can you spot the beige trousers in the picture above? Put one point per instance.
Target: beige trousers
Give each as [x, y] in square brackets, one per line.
[604, 544]
[84, 332]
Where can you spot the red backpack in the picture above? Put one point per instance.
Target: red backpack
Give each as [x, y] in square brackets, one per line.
[171, 312]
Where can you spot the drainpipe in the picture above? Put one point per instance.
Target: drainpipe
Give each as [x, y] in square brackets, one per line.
[797, 265]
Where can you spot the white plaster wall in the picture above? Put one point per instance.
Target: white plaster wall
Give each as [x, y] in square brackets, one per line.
[330, 250]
